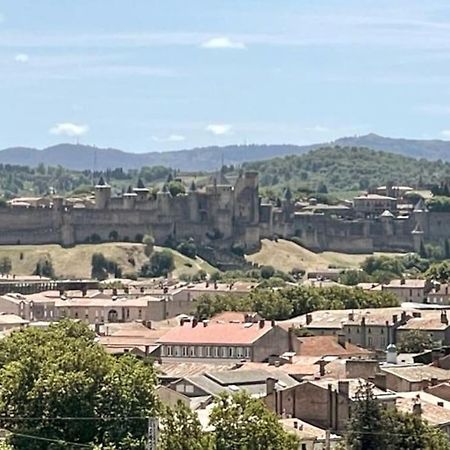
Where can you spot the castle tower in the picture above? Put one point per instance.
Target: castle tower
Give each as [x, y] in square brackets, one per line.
[102, 194]
[387, 219]
[421, 215]
[129, 199]
[163, 198]
[142, 193]
[417, 235]
[194, 212]
[287, 205]
[246, 196]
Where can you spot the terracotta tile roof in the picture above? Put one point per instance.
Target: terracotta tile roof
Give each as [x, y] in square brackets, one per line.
[412, 283]
[232, 316]
[433, 414]
[429, 320]
[417, 373]
[186, 369]
[216, 333]
[441, 390]
[328, 346]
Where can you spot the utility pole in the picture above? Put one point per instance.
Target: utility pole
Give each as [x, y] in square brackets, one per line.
[152, 433]
[327, 440]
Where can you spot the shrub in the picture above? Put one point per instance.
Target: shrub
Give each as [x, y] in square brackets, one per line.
[267, 272]
[160, 264]
[238, 249]
[187, 248]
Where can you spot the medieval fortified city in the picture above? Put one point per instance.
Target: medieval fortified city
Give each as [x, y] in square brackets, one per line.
[254, 264]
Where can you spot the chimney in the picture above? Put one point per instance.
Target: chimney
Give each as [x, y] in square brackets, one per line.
[351, 316]
[97, 328]
[322, 365]
[182, 322]
[394, 319]
[114, 291]
[434, 381]
[270, 385]
[363, 321]
[147, 350]
[341, 339]
[380, 381]
[205, 323]
[194, 322]
[272, 323]
[444, 318]
[441, 404]
[308, 319]
[344, 387]
[295, 424]
[416, 314]
[126, 290]
[83, 291]
[402, 281]
[417, 409]
[291, 338]
[261, 323]
[403, 316]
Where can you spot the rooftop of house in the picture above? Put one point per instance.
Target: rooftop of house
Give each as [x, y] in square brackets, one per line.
[407, 283]
[300, 366]
[12, 319]
[328, 346]
[336, 319]
[187, 369]
[217, 333]
[354, 384]
[252, 381]
[417, 372]
[369, 286]
[305, 431]
[441, 390]
[428, 320]
[236, 317]
[440, 289]
[428, 396]
[237, 286]
[433, 414]
[373, 197]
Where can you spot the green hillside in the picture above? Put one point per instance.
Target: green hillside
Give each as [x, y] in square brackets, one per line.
[347, 169]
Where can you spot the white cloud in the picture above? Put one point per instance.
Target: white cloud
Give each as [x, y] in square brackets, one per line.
[22, 58]
[218, 128]
[445, 133]
[170, 138]
[223, 42]
[318, 129]
[69, 129]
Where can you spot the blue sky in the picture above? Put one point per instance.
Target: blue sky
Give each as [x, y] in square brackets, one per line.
[147, 75]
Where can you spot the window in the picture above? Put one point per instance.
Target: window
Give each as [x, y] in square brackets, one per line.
[128, 313]
[184, 351]
[169, 350]
[176, 350]
[76, 314]
[247, 352]
[224, 352]
[180, 387]
[239, 352]
[189, 389]
[382, 331]
[369, 330]
[208, 352]
[192, 351]
[370, 342]
[216, 352]
[230, 352]
[139, 313]
[357, 330]
[200, 351]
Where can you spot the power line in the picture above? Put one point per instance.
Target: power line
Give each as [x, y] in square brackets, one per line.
[58, 441]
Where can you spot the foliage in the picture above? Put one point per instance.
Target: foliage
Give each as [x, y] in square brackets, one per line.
[267, 272]
[354, 277]
[149, 242]
[101, 267]
[181, 430]
[176, 187]
[160, 264]
[44, 268]
[346, 168]
[238, 249]
[60, 372]
[439, 272]
[290, 302]
[373, 426]
[415, 341]
[241, 422]
[187, 248]
[5, 265]
[438, 204]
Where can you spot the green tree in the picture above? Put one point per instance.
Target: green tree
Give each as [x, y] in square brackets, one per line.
[50, 375]
[439, 272]
[44, 268]
[176, 187]
[181, 430]
[241, 422]
[267, 272]
[149, 242]
[365, 429]
[5, 265]
[99, 266]
[415, 341]
[160, 264]
[188, 248]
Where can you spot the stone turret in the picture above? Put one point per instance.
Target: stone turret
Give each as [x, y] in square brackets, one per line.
[142, 193]
[387, 219]
[129, 198]
[102, 194]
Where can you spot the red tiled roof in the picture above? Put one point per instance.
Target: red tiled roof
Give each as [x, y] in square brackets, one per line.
[328, 346]
[216, 333]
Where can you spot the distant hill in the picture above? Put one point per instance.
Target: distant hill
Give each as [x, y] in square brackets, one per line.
[347, 169]
[81, 157]
[428, 149]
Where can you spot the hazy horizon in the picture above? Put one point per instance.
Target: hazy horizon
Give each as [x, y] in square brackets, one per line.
[171, 76]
